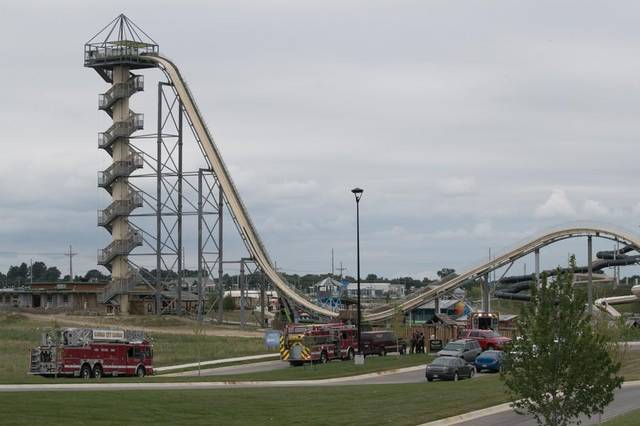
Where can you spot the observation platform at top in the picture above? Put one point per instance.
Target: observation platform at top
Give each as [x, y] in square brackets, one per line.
[121, 42]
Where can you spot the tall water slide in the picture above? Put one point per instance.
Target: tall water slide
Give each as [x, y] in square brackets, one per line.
[258, 251]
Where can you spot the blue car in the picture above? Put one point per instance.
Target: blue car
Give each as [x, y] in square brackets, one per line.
[489, 360]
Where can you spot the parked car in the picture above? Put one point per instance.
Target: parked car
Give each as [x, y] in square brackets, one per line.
[382, 342]
[489, 360]
[449, 368]
[468, 349]
[488, 339]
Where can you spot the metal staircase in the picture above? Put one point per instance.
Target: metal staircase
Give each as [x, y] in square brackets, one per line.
[119, 247]
[120, 129]
[119, 169]
[119, 208]
[119, 91]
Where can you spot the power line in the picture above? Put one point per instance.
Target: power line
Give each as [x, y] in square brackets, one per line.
[71, 254]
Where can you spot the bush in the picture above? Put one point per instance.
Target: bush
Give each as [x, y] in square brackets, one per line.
[228, 304]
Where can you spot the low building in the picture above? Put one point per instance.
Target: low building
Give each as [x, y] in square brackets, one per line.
[376, 290]
[328, 287]
[62, 296]
[426, 313]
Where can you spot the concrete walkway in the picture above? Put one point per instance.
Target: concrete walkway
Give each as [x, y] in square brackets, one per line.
[216, 362]
[362, 379]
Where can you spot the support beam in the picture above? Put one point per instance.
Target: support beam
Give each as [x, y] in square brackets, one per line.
[590, 274]
[537, 256]
[220, 254]
[158, 286]
[262, 300]
[241, 285]
[180, 196]
[200, 248]
[485, 294]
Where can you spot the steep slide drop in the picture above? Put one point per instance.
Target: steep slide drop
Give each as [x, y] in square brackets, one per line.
[249, 233]
[258, 251]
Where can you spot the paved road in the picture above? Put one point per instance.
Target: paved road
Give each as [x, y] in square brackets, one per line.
[626, 399]
[404, 375]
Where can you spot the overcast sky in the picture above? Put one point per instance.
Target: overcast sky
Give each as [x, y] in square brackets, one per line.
[469, 124]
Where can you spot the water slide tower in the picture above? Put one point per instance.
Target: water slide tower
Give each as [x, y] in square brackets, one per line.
[115, 53]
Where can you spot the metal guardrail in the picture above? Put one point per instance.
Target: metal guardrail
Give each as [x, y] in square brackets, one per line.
[102, 53]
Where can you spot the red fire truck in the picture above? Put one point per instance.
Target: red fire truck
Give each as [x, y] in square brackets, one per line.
[483, 320]
[302, 343]
[86, 353]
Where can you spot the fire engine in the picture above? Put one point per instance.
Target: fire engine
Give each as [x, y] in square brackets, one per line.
[86, 353]
[483, 320]
[302, 343]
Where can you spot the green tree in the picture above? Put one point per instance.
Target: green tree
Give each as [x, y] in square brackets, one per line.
[52, 274]
[38, 271]
[94, 274]
[445, 271]
[559, 367]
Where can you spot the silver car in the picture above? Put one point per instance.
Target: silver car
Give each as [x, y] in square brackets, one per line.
[467, 349]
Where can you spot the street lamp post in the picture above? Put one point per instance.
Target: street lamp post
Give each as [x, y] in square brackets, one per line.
[358, 194]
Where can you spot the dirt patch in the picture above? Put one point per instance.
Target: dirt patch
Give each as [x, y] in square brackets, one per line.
[187, 329]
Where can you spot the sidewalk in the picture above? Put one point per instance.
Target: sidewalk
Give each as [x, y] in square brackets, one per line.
[215, 362]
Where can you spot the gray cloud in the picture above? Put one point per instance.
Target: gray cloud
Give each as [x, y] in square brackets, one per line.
[467, 125]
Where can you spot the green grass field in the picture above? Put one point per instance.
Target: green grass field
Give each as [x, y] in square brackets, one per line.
[19, 334]
[408, 404]
[317, 371]
[630, 419]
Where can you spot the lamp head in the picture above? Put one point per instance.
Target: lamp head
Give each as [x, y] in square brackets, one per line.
[358, 193]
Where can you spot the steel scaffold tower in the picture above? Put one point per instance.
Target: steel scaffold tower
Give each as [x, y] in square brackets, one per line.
[114, 52]
[163, 196]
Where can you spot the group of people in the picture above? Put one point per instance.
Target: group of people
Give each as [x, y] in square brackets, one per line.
[417, 343]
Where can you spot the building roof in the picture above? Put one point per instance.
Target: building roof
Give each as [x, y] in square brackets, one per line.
[373, 286]
[444, 304]
[186, 295]
[328, 282]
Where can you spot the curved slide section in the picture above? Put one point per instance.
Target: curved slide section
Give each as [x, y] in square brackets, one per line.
[509, 256]
[231, 193]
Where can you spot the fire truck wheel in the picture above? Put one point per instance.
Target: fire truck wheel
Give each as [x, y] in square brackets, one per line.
[323, 357]
[97, 371]
[140, 371]
[85, 371]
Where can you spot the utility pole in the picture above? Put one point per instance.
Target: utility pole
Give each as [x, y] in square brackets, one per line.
[341, 269]
[70, 254]
[332, 269]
